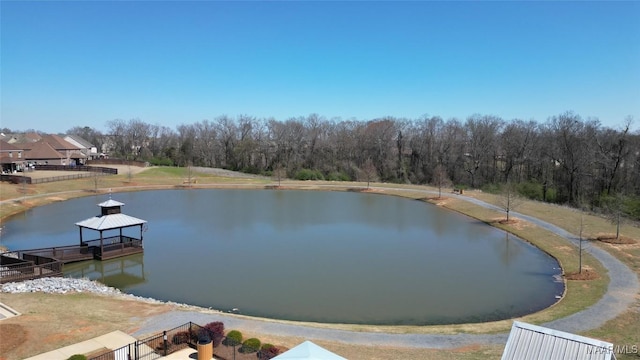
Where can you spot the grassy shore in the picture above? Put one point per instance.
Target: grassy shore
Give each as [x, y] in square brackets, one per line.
[580, 294]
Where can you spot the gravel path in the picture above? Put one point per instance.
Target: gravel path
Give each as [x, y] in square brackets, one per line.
[620, 295]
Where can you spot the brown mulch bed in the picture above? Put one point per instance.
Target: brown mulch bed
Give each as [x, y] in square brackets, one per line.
[611, 239]
[586, 274]
[226, 353]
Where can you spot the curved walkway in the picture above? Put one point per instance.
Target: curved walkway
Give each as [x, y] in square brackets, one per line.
[620, 295]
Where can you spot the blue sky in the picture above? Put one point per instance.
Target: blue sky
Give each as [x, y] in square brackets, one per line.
[66, 64]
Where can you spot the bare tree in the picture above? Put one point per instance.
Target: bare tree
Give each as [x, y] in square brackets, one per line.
[614, 207]
[189, 170]
[509, 199]
[97, 179]
[440, 178]
[279, 172]
[369, 172]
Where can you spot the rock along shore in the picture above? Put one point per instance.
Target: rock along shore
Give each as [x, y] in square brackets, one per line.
[61, 285]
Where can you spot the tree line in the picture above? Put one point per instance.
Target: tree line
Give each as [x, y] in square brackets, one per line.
[567, 159]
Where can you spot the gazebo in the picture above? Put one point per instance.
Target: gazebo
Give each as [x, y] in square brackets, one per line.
[112, 218]
[308, 351]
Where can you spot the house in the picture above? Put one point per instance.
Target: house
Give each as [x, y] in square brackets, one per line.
[534, 342]
[11, 157]
[42, 153]
[89, 150]
[72, 154]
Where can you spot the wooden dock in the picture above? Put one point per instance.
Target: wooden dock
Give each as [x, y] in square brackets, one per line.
[45, 262]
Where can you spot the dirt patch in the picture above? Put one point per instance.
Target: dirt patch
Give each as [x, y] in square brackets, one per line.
[611, 239]
[468, 348]
[586, 274]
[13, 336]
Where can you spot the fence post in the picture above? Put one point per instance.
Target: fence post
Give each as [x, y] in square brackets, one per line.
[164, 338]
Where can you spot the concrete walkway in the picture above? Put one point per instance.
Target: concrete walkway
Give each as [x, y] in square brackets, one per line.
[7, 312]
[113, 340]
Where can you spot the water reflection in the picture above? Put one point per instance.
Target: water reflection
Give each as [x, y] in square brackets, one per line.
[122, 273]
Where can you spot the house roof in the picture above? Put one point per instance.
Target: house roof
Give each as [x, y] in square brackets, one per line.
[534, 342]
[5, 146]
[112, 221]
[42, 150]
[59, 143]
[80, 141]
[21, 138]
[308, 351]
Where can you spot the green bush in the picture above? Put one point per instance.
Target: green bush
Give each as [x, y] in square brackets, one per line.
[308, 174]
[250, 345]
[77, 357]
[338, 176]
[489, 188]
[234, 337]
[530, 190]
[161, 162]
[632, 207]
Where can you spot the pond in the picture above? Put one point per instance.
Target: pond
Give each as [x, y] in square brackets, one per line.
[336, 257]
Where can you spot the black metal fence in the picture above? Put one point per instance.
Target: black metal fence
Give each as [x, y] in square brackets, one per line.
[98, 169]
[82, 171]
[62, 178]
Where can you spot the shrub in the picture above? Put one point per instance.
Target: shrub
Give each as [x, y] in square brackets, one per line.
[632, 207]
[308, 174]
[180, 337]
[216, 332]
[490, 188]
[77, 357]
[268, 351]
[250, 345]
[338, 176]
[531, 190]
[234, 337]
[161, 162]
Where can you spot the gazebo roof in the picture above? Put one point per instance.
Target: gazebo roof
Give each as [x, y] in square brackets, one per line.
[534, 342]
[112, 221]
[308, 351]
[110, 203]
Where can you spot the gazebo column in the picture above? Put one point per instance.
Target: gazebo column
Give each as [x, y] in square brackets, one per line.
[120, 235]
[141, 231]
[80, 227]
[101, 246]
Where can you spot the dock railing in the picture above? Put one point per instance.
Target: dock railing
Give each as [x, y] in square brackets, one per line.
[13, 269]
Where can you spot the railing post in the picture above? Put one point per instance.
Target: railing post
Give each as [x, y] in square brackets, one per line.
[164, 339]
